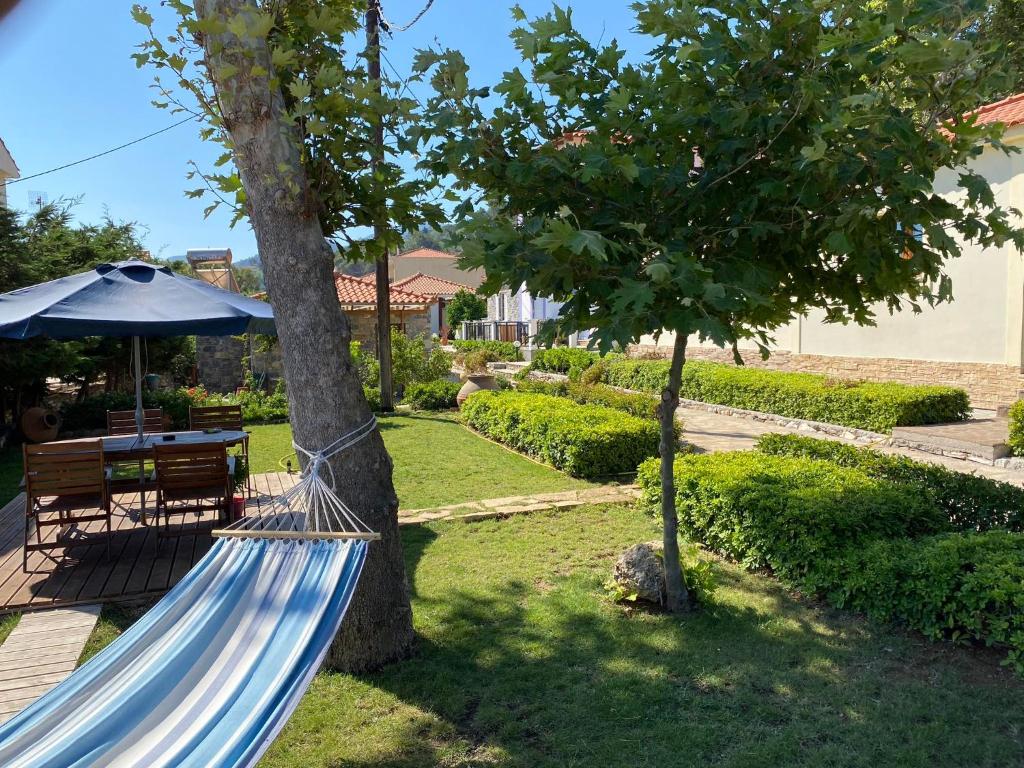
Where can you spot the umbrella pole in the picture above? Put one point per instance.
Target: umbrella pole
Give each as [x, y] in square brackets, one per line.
[139, 420]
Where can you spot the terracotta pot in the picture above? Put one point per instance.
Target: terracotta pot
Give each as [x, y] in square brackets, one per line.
[475, 382]
[237, 508]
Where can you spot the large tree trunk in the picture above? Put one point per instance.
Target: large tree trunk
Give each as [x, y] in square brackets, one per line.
[677, 598]
[324, 392]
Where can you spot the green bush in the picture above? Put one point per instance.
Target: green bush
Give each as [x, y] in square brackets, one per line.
[258, 407]
[862, 405]
[583, 440]
[972, 502]
[635, 403]
[1017, 428]
[372, 395]
[962, 587]
[412, 364]
[562, 359]
[790, 514]
[91, 412]
[502, 350]
[432, 396]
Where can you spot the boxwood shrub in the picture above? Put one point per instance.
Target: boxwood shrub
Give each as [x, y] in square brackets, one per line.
[562, 359]
[863, 405]
[583, 440]
[1017, 428]
[971, 502]
[635, 403]
[433, 395]
[788, 514]
[500, 350]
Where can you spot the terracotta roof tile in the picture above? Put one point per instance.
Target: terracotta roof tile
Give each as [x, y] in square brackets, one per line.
[362, 291]
[430, 285]
[1009, 111]
[427, 253]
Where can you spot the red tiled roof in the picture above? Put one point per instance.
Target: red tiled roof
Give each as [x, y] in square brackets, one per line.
[430, 285]
[362, 291]
[1009, 111]
[427, 253]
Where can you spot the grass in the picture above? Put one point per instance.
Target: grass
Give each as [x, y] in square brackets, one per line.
[522, 661]
[437, 461]
[7, 624]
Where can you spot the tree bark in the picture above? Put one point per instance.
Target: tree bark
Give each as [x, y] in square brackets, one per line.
[677, 598]
[324, 392]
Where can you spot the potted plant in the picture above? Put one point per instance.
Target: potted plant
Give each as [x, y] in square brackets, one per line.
[475, 374]
[238, 483]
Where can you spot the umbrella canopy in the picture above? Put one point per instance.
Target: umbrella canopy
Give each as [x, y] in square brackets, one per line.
[129, 298]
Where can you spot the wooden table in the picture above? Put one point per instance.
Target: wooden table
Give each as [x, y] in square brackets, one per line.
[132, 448]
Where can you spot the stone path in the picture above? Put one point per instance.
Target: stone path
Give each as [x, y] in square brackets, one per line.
[713, 432]
[41, 651]
[513, 505]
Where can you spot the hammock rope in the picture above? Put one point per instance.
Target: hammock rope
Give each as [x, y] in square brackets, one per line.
[310, 509]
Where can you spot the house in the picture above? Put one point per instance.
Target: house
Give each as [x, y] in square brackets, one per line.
[410, 312]
[8, 170]
[975, 342]
[437, 288]
[435, 263]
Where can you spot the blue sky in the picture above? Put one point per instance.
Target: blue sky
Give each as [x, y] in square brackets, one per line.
[70, 90]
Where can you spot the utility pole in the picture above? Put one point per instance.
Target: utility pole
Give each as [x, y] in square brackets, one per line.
[387, 399]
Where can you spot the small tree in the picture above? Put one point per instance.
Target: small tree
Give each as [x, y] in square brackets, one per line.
[465, 305]
[762, 160]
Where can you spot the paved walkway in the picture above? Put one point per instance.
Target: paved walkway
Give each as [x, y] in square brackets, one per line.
[714, 432]
[512, 505]
[41, 651]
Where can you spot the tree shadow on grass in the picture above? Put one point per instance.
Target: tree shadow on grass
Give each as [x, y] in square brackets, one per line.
[548, 673]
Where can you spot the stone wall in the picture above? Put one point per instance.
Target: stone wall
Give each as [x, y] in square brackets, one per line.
[219, 362]
[363, 323]
[989, 385]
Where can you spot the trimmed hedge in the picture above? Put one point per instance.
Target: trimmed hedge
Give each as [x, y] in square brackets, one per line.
[789, 514]
[862, 542]
[634, 403]
[500, 350]
[971, 502]
[433, 395]
[1016, 416]
[962, 587]
[863, 405]
[583, 440]
[562, 359]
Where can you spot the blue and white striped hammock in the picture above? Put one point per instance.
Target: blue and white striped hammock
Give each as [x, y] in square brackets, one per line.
[209, 676]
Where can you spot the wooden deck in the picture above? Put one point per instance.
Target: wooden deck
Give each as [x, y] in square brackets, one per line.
[141, 564]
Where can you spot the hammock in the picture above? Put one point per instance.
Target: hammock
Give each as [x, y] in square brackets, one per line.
[209, 676]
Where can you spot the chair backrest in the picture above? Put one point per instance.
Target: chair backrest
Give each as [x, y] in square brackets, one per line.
[123, 422]
[215, 416]
[64, 469]
[190, 465]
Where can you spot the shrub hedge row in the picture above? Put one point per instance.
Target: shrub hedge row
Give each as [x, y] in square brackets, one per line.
[1017, 428]
[500, 350]
[584, 440]
[635, 403]
[863, 405]
[562, 359]
[436, 395]
[861, 541]
[971, 502]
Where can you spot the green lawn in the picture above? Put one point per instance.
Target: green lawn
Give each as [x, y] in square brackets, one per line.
[437, 461]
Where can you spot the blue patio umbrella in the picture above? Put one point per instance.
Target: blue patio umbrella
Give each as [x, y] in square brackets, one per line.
[130, 298]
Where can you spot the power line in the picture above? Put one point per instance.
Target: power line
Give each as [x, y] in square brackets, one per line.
[101, 154]
[388, 26]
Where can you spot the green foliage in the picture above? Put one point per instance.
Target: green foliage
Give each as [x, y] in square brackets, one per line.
[583, 440]
[412, 363]
[698, 575]
[964, 587]
[758, 161]
[863, 405]
[502, 350]
[634, 403]
[971, 502]
[372, 395]
[436, 395]
[1016, 419]
[466, 305]
[562, 359]
[90, 413]
[789, 514]
[366, 365]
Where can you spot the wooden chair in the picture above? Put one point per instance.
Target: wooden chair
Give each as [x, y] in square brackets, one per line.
[226, 417]
[192, 478]
[65, 484]
[123, 423]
